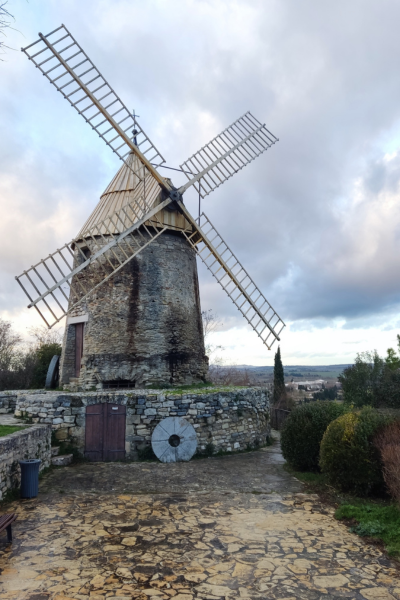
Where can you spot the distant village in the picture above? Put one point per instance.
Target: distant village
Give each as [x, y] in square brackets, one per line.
[317, 389]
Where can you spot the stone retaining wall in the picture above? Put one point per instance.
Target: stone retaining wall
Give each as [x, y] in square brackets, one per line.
[32, 442]
[7, 403]
[231, 419]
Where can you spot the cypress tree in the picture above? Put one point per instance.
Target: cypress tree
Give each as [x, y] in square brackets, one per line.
[279, 377]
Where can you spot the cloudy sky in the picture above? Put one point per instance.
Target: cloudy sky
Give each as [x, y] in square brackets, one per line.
[315, 220]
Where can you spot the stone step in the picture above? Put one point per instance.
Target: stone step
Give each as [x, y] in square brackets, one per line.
[55, 450]
[62, 461]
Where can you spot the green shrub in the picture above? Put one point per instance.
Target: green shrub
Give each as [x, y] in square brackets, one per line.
[348, 455]
[302, 433]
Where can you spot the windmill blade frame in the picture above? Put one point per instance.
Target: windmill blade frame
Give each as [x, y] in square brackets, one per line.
[112, 253]
[226, 154]
[233, 278]
[93, 110]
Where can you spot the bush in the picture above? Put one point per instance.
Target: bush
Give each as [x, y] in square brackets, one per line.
[388, 444]
[348, 455]
[302, 433]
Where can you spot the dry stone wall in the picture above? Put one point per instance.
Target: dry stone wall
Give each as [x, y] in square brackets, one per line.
[32, 442]
[230, 419]
[7, 402]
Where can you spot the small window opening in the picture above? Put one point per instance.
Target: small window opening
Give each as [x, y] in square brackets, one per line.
[83, 253]
[79, 333]
[118, 384]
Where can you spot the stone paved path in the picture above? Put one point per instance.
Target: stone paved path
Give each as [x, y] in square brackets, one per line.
[220, 528]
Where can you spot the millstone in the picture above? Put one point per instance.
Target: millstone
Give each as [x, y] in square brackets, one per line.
[174, 440]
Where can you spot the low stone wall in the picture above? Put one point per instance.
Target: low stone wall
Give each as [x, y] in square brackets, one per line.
[230, 419]
[32, 442]
[7, 403]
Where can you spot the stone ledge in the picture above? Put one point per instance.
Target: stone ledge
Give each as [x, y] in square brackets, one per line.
[31, 442]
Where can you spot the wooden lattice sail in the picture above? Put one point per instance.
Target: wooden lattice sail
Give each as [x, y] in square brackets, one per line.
[139, 199]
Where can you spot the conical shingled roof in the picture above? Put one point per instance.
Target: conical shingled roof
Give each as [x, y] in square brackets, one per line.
[129, 188]
[125, 188]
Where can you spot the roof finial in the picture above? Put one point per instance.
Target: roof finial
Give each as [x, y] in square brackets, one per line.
[134, 130]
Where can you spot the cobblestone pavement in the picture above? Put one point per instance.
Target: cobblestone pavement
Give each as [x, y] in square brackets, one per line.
[220, 528]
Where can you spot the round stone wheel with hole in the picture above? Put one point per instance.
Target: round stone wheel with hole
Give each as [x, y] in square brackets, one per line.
[53, 373]
[174, 440]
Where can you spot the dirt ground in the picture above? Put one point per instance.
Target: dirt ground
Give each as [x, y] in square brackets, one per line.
[231, 527]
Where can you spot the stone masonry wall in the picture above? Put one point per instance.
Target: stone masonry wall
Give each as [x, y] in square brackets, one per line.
[32, 442]
[144, 324]
[229, 418]
[7, 403]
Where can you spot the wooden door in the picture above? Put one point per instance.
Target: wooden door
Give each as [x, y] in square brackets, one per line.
[105, 432]
[114, 432]
[94, 429]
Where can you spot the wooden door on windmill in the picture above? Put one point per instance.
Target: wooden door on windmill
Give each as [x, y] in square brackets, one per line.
[105, 432]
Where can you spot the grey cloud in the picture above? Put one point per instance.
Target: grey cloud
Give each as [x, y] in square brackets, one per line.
[314, 220]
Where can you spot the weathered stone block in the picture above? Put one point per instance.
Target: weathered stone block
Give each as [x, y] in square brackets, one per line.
[62, 460]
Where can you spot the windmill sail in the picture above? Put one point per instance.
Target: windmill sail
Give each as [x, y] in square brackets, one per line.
[62, 281]
[226, 154]
[55, 285]
[234, 279]
[65, 64]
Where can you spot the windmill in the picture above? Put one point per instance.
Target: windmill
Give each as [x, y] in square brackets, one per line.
[127, 283]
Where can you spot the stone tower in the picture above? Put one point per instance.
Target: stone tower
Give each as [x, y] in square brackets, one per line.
[143, 326]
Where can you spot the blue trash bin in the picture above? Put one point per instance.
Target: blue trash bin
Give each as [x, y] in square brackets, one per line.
[30, 477]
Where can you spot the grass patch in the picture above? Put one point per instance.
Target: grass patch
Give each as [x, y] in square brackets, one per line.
[199, 388]
[6, 429]
[377, 521]
[314, 482]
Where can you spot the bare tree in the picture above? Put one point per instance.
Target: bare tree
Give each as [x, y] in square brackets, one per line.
[17, 361]
[221, 374]
[9, 341]
[5, 23]
[24, 365]
[42, 335]
[211, 322]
